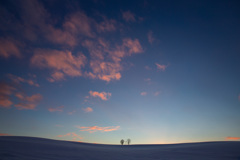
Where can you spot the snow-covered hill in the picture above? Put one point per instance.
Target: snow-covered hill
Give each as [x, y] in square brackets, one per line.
[28, 148]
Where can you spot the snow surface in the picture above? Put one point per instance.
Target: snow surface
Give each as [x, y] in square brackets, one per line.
[29, 148]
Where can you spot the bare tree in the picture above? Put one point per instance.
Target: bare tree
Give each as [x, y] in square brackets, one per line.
[128, 141]
[122, 141]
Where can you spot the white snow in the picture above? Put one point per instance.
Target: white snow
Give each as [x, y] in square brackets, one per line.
[29, 148]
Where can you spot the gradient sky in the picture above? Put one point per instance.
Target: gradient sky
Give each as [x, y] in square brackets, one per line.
[101, 71]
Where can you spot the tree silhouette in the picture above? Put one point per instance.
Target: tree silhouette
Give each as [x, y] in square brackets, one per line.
[122, 141]
[128, 141]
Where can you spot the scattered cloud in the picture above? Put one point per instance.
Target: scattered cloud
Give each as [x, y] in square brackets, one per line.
[157, 93]
[151, 39]
[232, 138]
[143, 93]
[106, 60]
[70, 113]
[107, 25]
[4, 134]
[9, 48]
[5, 92]
[59, 125]
[148, 80]
[88, 109]
[103, 95]
[57, 109]
[27, 102]
[97, 128]
[18, 80]
[128, 16]
[60, 62]
[73, 135]
[147, 68]
[161, 67]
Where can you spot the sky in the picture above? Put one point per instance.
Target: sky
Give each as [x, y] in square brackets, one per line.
[156, 72]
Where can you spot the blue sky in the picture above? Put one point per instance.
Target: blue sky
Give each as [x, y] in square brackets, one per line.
[101, 71]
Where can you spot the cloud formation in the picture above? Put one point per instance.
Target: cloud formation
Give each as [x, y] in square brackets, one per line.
[57, 109]
[151, 39]
[9, 48]
[128, 16]
[73, 135]
[5, 92]
[18, 80]
[27, 102]
[103, 95]
[61, 63]
[106, 59]
[232, 138]
[93, 129]
[4, 134]
[88, 109]
[161, 67]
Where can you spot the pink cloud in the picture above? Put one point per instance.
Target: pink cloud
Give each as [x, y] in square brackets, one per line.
[232, 138]
[5, 92]
[93, 129]
[27, 102]
[147, 68]
[151, 39]
[88, 109]
[17, 79]
[73, 135]
[70, 113]
[106, 25]
[57, 109]
[60, 62]
[79, 23]
[9, 48]
[4, 134]
[161, 67]
[103, 95]
[157, 93]
[59, 125]
[106, 60]
[143, 93]
[128, 16]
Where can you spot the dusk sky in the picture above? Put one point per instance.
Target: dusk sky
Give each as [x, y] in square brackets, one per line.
[100, 71]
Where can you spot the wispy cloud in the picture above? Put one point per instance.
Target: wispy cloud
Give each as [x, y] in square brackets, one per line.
[59, 125]
[4, 134]
[232, 138]
[70, 113]
[143, 93]
[161, 67]
[103, 95]
[128, 16]
[157, 93]
[151, 39]
[18, 80]
[9, 48]
[73, 135]
[88, 109]
[27, 102]
[57, 109]
[106, 59]
[60, 62]
[5, 92]
[93, 129]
